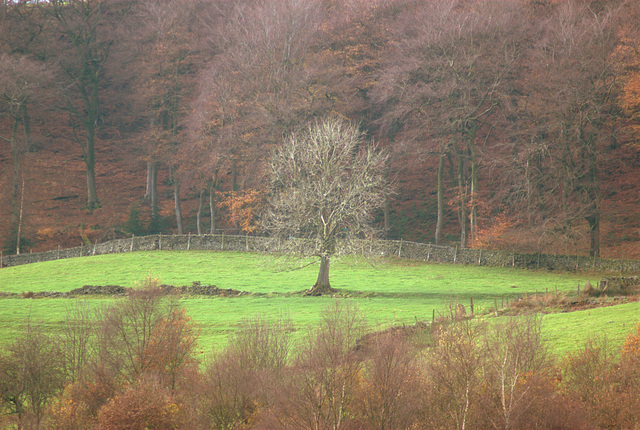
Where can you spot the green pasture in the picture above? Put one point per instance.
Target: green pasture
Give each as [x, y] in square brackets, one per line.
[389, 292]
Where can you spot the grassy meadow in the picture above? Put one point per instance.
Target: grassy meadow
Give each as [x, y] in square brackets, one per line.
[389, 292]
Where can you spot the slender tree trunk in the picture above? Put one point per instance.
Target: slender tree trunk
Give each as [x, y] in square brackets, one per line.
[199, 214]
[147, 193]
[473, 203]
[20, 218]
[154, 190]
[462, 197]
[386, 209]
[440, 220]
[17, 171]
[594, 197]
[594, 234]
[212, 207]
[176, 198]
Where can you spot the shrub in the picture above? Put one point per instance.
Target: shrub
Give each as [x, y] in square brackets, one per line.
[320, 390]
[390, 390]
[146, 405]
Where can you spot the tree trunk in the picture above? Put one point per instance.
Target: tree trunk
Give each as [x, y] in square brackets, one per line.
[462, 197]
[387, 221]
[154, 190]
[594, 234]
[212, 207]
[19, 231]
[17, 171]
[176, 198]
[322, 285]
[440, 220]
[593, 195]
[90, 161]
[199, 214]
[473, 204]
[147, 193]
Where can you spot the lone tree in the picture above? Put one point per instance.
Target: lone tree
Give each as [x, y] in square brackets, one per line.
[325, 183]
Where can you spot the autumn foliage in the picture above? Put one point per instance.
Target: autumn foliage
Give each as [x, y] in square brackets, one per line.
[464, 374]
[524, 110]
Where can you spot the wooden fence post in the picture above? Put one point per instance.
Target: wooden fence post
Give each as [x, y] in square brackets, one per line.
[189, 242]
[471, 306]
[455, 255]
[495, 305]
[429, 253]
[160, 242]
[131, 246]
[222, 246]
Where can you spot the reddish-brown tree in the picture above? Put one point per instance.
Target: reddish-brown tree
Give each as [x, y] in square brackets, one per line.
[442, 89]
[574, 87]
[82, 39]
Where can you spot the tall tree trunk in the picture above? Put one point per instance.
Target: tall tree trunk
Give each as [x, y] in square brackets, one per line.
[154, 190]
[20, 218]
[176, 198]
[212, 207]
[593, 194]
[147, 192]
[387, 221]
[440, 220]
[90, 161]
[199, 214]
[462, 197]
[594, 234]
[16, 155]
[473, 195]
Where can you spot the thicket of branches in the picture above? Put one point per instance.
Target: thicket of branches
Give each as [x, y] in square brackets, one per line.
[513, 108]
[135, 364]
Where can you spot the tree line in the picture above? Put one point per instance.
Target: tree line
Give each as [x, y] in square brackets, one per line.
[135, 364]
[519, 105]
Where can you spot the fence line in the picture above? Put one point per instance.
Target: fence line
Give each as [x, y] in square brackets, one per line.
[400, 248]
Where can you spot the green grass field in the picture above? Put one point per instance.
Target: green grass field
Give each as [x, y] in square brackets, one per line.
[390, 292]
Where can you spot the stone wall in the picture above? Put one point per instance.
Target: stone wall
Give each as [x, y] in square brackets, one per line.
[403, 249]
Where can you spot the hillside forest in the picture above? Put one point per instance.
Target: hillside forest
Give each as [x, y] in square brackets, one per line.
[509, 123]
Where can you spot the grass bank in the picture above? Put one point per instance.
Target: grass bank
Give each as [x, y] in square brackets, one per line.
[390, 292]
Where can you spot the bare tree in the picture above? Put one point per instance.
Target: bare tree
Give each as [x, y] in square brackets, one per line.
[575, 82]
[30, 376]
[81, 31]
[445, 85]
[20, 80]
[516, 362]
[325, 184]
[454, 376]
[321, 390]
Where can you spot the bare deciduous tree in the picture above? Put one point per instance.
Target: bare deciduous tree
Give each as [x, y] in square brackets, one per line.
[325, 184]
